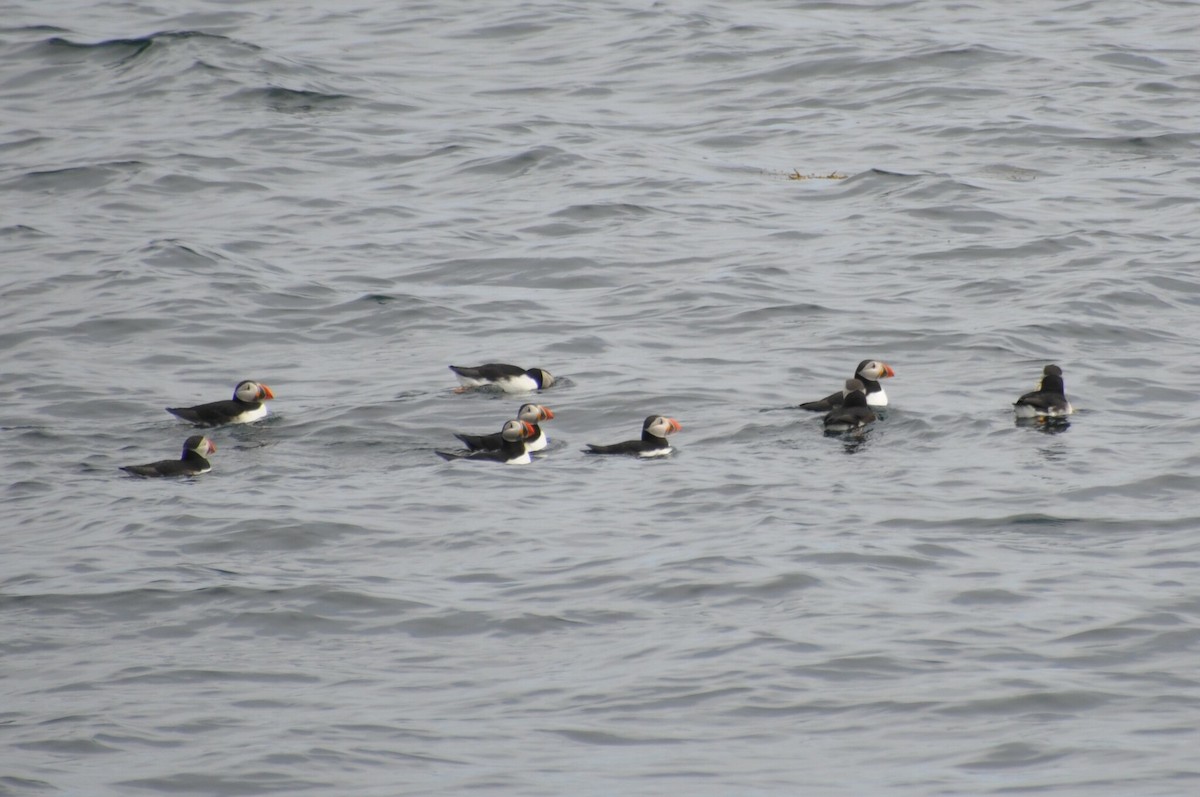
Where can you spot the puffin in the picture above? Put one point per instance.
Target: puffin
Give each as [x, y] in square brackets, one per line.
[1048, 401]
[195, 450]
[503, 377]
[869, 372]
[854, 412]
[512, 449]
[653, 443]
[531, 413]
[246, 406]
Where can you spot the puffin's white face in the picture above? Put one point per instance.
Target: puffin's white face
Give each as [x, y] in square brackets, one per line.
[252, 391]
[661, 426]
[200, 444]
[875, 370]
[547, 379]
[534, 413]
[516, 430]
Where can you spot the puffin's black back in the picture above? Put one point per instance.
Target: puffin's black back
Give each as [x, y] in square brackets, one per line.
[490, 371]
[191, 462]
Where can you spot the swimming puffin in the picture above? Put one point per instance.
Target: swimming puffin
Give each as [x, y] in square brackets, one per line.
[502, 377]
[193, 461]
[854, 412]
[512, 450]
[247, 405]
[1048, 401]
[653, 443]
[869, 372]
[532, 413]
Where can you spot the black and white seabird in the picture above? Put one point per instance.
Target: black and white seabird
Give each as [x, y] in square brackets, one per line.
[869, 372]
[512, 449]
[247, 405]
[653, 443]
[502, 376]
[1048, 401]
[854, 412]
[195, 450]
[534, 414]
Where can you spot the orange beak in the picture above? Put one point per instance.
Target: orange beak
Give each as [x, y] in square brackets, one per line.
[212, 447]
[265, 392]
[675, 427]
[546, 413]
[529, 431]
[887, 370]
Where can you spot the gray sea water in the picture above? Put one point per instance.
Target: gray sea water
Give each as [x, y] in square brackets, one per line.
[340, 199]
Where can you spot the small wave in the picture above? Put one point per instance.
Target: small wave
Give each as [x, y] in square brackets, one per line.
[522, 162]
[127, 50]
[286, 100]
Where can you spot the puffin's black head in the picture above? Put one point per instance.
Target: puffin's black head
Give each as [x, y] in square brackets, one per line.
[659, 426]
[534, 413]
[200, 444]
[873, 370]
[855, 394]
[250, 391]
[542, 377]
[1052, 383]
[515, 430]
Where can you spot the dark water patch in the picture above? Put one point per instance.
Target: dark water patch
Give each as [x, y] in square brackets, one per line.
[623, 211]
[285, 100]
[689, 590]
[78, 178]
[17, 231]
[578, 273]
[182, 184]
[283, 624]
[957, 61]
[22, 785]
[855, 668]
[154, 675]
[1145, 145]
[70, 747]
[909, 564]
[522, 163]
[977, 597]
[348, 320]
[270, 534]
[1133, 61]
[505, 30]
[462, 623]
[611, 739]
[1014, 755]
[1043, 705]
[206, 783]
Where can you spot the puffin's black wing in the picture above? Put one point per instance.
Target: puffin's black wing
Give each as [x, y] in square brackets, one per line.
[481, 442]
[490, 371]
[213, 413]
[830, 402]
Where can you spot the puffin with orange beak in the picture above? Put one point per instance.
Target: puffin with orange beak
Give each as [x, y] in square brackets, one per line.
[512, 451]
[196, 449]
[246, 406]
[653, 443]
[501, 377]
[533, 413]
[869, 372]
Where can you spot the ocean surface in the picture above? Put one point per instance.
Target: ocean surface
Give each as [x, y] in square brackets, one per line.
[706, 210]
